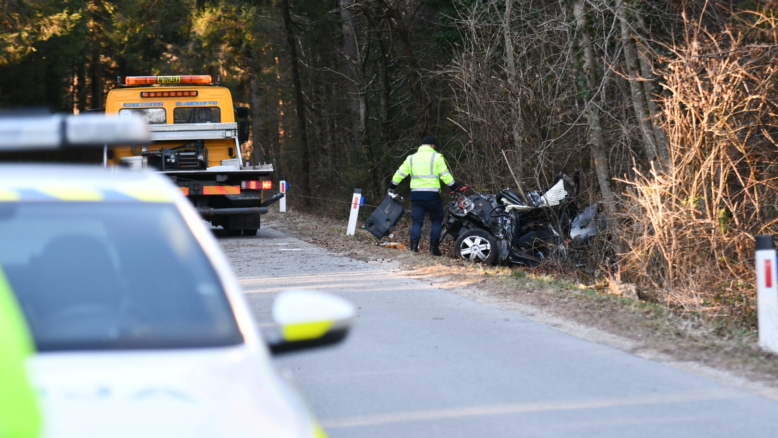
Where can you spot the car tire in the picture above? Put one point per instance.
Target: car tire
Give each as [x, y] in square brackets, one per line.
[250, 231]
[477, 246]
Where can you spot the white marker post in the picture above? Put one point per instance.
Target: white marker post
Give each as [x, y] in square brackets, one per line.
[282, 201]
[356, 201]
[767, 292]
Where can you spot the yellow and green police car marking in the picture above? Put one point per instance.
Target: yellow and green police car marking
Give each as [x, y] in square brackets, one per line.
[19, 413]
[306, 331]
[84, 194]
[8, 195]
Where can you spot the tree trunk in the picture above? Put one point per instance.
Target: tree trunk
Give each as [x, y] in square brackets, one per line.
[596, 138]
[81, 88]
[351, 61]
[260, 154]
[506, 32]
[386, 93]
[96, 71]
[636, 86]
[97, 78]
[305, 151]
[510, 62]
[397, 22]
[647, 70]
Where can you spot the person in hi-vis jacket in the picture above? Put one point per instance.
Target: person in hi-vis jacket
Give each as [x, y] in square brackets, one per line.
[426, 168]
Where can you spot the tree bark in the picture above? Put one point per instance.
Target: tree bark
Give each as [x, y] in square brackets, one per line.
[291, 47]
[259, 152]
[596, 138]
[81, 88]
[386, 93]
[506, 32]
[510, 62]
[636, 86]
[351, 61]
[646, 68]
[397, 22]
[95, 62]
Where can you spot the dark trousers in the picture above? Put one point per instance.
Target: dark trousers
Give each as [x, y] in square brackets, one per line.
[419, 209]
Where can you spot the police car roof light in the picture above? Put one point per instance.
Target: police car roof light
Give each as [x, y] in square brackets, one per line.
[62, 131]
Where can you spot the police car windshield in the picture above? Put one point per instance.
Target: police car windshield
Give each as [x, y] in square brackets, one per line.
[104, 275]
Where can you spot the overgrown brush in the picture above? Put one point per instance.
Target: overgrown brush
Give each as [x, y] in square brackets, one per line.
[689, 223]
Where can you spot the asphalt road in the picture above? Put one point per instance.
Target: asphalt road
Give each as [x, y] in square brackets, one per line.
[424, 362]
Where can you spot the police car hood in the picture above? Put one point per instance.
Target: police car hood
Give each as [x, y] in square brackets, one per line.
[219, 392]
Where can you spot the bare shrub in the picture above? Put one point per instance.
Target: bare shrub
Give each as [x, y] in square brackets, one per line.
[514, 95]
[689, 229]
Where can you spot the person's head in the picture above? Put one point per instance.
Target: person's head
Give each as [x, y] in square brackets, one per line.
[205, 115]
[430, 141]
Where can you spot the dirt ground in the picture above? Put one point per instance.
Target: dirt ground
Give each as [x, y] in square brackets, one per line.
[712, 347]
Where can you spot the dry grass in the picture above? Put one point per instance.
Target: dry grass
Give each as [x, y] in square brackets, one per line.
[689, 224]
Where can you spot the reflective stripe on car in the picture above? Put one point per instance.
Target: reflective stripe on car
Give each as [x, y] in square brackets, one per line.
[83, 194]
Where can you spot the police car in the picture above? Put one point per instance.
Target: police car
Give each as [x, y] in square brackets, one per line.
[139, 324]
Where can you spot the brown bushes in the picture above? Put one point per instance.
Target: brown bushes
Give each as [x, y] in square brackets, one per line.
[688, 228]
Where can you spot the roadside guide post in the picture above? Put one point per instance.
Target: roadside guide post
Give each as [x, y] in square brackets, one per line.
[356, 201]
[767, 292]
[282, 201]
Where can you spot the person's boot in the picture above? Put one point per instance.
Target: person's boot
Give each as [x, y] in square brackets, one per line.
[435, 247]
[415, 245]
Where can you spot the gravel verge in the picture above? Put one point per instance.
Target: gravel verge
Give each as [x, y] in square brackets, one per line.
[716, 348]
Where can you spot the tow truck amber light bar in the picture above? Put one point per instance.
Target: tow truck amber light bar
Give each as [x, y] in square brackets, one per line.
[168, 93]
[162, 80]
[256, 185]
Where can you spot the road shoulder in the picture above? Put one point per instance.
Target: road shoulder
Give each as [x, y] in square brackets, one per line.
[710, 347]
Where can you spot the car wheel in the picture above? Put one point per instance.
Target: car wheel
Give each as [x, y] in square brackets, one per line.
[477, 246]
[234, 232]
[250, 231]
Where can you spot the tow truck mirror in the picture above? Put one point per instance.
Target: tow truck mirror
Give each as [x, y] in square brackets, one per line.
[242, 116]
[308, 319]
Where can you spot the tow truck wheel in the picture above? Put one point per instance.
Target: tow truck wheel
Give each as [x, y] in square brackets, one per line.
[250, 231]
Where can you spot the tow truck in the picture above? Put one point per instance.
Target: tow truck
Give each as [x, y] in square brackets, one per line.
[196, 133]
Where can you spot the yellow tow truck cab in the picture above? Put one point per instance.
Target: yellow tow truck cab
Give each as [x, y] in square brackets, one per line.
[196, 133]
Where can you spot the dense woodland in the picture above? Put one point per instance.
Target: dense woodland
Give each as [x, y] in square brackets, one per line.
[667, 107]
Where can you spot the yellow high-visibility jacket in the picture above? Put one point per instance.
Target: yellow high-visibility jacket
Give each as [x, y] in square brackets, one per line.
[426, 168]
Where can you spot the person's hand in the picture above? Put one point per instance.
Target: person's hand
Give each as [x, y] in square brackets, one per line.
[391, 193]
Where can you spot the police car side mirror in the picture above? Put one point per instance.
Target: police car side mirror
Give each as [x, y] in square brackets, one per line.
[308, 319]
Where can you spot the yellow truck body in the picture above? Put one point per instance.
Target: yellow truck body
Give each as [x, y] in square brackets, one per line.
[196, 132]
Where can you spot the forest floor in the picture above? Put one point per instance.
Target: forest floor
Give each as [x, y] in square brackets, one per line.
[716, 348]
